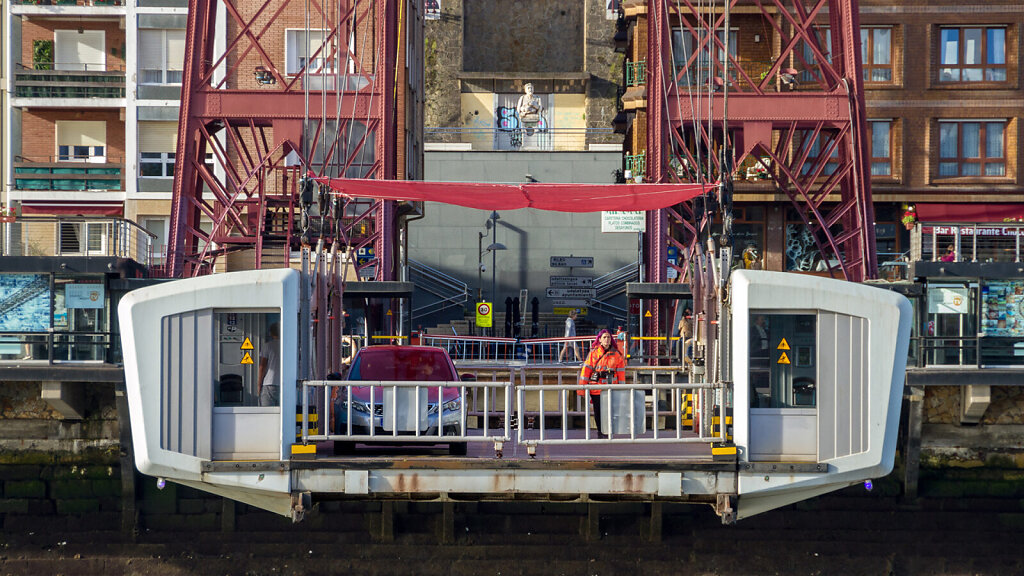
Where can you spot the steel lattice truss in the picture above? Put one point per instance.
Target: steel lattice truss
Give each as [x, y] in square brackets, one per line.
[799, 116]
[257, 116]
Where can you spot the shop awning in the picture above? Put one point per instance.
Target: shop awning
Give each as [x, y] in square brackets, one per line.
[65, 208]
[555, 197]
[966, 213]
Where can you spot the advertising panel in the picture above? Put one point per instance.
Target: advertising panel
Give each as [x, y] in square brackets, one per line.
[24, 302]
[1002, 303]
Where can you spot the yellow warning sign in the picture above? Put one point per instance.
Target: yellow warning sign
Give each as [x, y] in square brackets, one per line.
[483, 314]
[389, 313]
[648, 314]
[247, 345]
[783, 346]
[783, 359]
[247, 359]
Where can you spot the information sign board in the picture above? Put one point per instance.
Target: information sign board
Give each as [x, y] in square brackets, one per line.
[620, 221]
[571, 293]
[571, 281]
[572, 261]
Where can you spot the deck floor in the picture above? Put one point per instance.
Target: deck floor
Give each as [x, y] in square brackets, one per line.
[619, 449]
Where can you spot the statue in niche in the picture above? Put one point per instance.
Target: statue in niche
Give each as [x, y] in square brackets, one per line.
[529, 109]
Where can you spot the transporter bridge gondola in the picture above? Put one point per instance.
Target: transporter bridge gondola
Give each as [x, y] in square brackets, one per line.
[811, 369]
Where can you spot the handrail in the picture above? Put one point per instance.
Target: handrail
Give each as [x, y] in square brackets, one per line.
[119, 237]
[450, 290]
[971, 241]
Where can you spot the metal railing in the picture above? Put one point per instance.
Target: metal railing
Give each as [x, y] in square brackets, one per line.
[526, 405]
[636, 165]
[68, 174]
[611, 285]
[403, 412]
[76, 236]
[450, 291]
[512, 135]
[636, 73]
[57, 347]
[970, 242]
[68, 80]
[474, 348]
[657, 406]
[69, 2]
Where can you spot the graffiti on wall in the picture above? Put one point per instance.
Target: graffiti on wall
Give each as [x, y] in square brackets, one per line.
[801, 251]
[512, 134]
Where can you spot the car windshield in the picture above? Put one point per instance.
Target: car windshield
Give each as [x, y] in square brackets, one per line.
[402, 363]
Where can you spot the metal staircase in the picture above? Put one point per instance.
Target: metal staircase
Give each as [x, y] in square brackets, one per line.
[448, 291]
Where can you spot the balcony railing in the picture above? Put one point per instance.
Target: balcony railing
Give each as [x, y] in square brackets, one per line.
[516, 137]
[697, 76]
[967, 242]
[77, 236]
[636, 73]
[68, 2]
[48, 80]
[636, 166]
[49, 174]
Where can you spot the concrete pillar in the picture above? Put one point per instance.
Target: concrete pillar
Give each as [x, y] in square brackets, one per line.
[912, 453]
[66, 398]
[386, 534]
[654, 535]
[447, 528]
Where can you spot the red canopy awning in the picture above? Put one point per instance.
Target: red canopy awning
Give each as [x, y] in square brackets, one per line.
[956, 213]
[555, 197]
[65, 208]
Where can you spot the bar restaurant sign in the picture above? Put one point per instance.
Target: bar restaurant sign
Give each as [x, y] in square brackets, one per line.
[623, 221]
[972, 231]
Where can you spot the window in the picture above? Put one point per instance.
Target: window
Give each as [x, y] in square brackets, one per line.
[782, 354]
[972, 148]
[157, 144]
[876, 54]
[161, 56]
[296, 54]
[880, 136]
[156, 165]
[684, 45]
[79, 50]
[816, 148]
[972, 55]
[811, 74]
[79, 141]
[82, 237]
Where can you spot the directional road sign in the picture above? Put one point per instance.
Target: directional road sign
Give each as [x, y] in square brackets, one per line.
[572, 261]
[571, 293]
[569, 302]
[571, 282]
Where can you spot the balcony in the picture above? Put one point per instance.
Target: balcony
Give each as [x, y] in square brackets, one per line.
[636, 167]
[45, 81]
[515, 137]
[49, 174]
[102, 236]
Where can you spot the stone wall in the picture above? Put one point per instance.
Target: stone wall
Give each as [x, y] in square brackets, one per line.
[524, 40]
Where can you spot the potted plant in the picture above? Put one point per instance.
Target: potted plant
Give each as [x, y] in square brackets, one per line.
[909, 218]
[6, 214]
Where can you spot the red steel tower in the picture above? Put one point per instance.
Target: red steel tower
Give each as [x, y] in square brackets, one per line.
[783, 93]
[275, 91]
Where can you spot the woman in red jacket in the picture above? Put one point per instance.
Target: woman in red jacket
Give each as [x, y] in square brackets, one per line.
[604, 365]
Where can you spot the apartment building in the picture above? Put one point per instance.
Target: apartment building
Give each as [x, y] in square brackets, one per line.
[944, 101]
[91, 122]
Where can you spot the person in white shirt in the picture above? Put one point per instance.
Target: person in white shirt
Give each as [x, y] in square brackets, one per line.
[270, 368]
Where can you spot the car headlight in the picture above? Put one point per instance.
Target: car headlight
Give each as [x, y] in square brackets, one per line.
[356, 406]
[452, 405]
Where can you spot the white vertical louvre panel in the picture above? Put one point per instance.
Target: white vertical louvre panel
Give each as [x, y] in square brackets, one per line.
[79, 50]
[151, 56]
[842, 385]
[158, 136]
[186, 380]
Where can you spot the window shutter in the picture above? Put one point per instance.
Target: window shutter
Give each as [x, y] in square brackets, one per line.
[150, 52]
[76, 133]
[175, 49]
[158, 136]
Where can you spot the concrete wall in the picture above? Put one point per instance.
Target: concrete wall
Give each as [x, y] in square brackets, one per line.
[447, 238]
